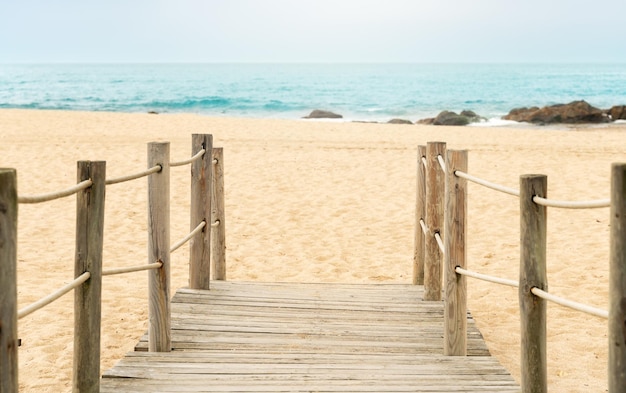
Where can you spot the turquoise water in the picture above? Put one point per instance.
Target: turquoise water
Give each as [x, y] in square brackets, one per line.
[357, 91]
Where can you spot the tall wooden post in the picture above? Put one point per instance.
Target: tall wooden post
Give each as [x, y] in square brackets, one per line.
[219, 235]
[200, 245]
[88, 296]
[435, 185]
[159, 339]
[420, 215]
[617, 281]
[533, 223]
[8, 281]
[455, 315]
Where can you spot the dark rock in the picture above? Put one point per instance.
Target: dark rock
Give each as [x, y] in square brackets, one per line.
[320, 114]
[399, 121]
[618, 112]
[575, 112]
[153, 112]
[468, 114]
[427, 121]
[447, 118]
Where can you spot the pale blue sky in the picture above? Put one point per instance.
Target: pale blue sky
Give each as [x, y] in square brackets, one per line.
[312, 31]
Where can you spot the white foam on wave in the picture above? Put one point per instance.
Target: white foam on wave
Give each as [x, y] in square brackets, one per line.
[495, 122]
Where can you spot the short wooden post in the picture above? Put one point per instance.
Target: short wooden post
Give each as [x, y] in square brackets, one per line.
[617, 281]
[435, 185]
[218, 245]
[8, 281]
[88, 296]
[455, 315]
[420, 215]
[200, 245]
[533, 225]
[159, 339]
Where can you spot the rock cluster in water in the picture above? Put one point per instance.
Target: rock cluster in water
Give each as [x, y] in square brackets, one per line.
[576, 112]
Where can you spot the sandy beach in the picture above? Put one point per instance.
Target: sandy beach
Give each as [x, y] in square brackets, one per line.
[311, 201]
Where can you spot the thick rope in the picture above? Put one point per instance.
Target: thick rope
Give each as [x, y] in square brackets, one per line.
[424, 161]
[154, 169]
[188, 237]
[572, 204]
[487, 184]
[122, 270]
[440, 242]
[215, 224]
[190, 160]
[442, 163]
[484, 277]
[423, 225]
[53, 296]
[598, 312]
[215, 161]
[55, 195]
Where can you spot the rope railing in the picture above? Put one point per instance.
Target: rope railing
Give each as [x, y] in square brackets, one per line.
[147, 172]
[572, 204]
[53, 296]
[440, 242]
[123, 270]
[193, 233]
[451, 243]
[197, 156]
[207, 206]
[55, 195]
[484, 277]
[442, 163]
[598, 312]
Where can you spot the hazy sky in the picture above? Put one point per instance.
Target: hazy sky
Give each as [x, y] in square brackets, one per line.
[312, 31]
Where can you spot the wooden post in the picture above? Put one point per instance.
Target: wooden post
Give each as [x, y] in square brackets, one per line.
[218, 245]
[533, 225]
[88, 296]
[200, 245]
[617, 281]
[420, 214]
[455, 315]
[8, 281]
[435, 185]
[159, 339]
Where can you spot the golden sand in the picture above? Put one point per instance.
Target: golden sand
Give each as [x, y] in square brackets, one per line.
[310, 201]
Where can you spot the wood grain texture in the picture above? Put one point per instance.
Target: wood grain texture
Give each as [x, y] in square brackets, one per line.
[435, 185]
[218, 244]
[420, 214]
[8, 281]
[201, 189]
[455, 321]
[617, 281]
[159, 247]
[533, 229]
[283, 337]
[88, 296]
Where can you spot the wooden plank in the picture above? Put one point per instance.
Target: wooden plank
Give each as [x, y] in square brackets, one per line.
[159, 247]
[420, 214]
[455, 321]
[8, 281]
[533, 229]
[435, 185]
[88, 296]
[218, 245]
[256, 344]
[201, 181]
[617, 282]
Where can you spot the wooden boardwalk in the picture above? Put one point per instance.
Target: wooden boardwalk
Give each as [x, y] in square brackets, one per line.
[278, 337]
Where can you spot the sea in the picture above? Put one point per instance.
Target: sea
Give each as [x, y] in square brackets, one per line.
[359, 92]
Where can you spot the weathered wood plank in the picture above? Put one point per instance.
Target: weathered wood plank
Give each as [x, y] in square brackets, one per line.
[308, 337]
